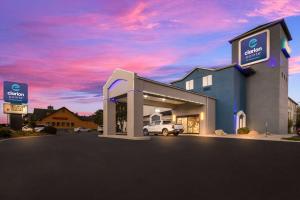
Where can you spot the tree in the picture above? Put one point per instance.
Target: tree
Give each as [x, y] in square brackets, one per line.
[98, 117]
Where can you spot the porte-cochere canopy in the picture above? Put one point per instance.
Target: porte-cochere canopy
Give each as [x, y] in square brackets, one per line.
[136, 91]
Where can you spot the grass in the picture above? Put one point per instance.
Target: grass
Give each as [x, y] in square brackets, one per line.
[294, 138]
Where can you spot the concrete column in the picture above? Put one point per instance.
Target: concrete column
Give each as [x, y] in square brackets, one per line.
[109, 117]
[203, 120]
[135, 103]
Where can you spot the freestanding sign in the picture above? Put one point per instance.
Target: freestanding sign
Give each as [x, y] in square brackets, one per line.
[15, 109]
[16, 93]
[254, 48]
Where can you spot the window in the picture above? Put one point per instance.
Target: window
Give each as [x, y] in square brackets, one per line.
[68, 124]
[72, 124]
[157, 122]
[207, 81]
[57, 124]
[53, 123]
[63, 124]
[189, 85]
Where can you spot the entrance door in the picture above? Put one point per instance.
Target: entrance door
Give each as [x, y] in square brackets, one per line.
[191, 124]
[183, 121]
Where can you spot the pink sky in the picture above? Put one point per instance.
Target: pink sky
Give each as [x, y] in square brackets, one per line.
[65, 49]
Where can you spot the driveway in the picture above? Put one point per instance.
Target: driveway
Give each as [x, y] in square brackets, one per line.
[86, 167]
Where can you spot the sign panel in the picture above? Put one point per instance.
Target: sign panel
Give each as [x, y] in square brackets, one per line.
[254, 48]
[15, 92]
[14, 109]
[285, 47]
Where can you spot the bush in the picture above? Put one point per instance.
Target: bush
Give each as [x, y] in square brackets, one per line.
[244, 130]
[5, 132]
[50, 130]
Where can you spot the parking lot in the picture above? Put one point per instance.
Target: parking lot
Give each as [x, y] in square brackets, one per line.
[84, 166]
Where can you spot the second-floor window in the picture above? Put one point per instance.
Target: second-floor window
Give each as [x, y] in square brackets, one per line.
[207, 81]
[189, 85]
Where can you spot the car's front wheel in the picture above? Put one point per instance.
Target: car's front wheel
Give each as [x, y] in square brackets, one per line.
[146, 132]
[165, 132]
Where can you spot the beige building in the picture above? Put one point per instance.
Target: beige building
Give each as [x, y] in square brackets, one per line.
[63, 118]
[137, 92]
[292, 113]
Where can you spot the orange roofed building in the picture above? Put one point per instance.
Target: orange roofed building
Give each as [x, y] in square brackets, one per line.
[63, 118]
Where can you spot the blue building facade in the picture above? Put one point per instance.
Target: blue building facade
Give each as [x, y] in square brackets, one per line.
[227, 85]
[253, 91]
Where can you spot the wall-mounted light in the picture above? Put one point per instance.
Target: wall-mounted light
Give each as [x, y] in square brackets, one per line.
[163, 99]
[145, 96]
[157, 110]
[174, 118]
[202, 116]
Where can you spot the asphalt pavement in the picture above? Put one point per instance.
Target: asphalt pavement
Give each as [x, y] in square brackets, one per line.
[84, 166]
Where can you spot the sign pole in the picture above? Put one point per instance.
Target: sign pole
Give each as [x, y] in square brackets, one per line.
[7, 120]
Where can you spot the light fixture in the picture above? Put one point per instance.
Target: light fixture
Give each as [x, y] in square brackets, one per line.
[202, 116]
[163, 99]
[157, 110]
[145, 96]
[174, 118]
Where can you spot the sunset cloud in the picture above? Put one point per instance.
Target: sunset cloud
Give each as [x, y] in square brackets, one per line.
[294, 65]
[274, 9]
[65, 50]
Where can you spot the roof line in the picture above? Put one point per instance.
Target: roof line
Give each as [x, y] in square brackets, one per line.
[293, 100]
[265, 26]
[203, 68]
[59, 110]
[174, 87]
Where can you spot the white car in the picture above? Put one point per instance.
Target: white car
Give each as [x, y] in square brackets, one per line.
[163, 127]
[27, 129]
[39, 128]
[82, 129]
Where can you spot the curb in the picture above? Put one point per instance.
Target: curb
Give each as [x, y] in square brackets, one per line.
[24, 137]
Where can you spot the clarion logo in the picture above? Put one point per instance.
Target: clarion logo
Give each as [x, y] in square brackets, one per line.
[15, 94]
[15, 87]
[252, 43]
[255, 50]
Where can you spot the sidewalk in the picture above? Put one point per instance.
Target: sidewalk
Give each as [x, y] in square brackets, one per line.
[269, 137]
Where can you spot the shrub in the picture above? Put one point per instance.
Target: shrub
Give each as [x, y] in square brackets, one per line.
[5, 132]
[244, 130]
[50, 130]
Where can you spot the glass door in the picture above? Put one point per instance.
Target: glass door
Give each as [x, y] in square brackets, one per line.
[191, 124]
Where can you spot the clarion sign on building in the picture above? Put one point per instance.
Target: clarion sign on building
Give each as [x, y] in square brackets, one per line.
[254, 48]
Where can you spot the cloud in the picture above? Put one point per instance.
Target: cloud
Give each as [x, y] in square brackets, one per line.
[274, 9]
[294, 65]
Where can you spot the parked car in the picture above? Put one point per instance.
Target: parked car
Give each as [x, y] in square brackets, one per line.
[298, 131]
[100, 129]
[82, 129]
[163, 127]
[27, 129]
[39, 128]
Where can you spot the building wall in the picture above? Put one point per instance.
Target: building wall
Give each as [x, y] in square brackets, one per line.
[64, 119]
[228, 87]
[266, 90]
[292, 113]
